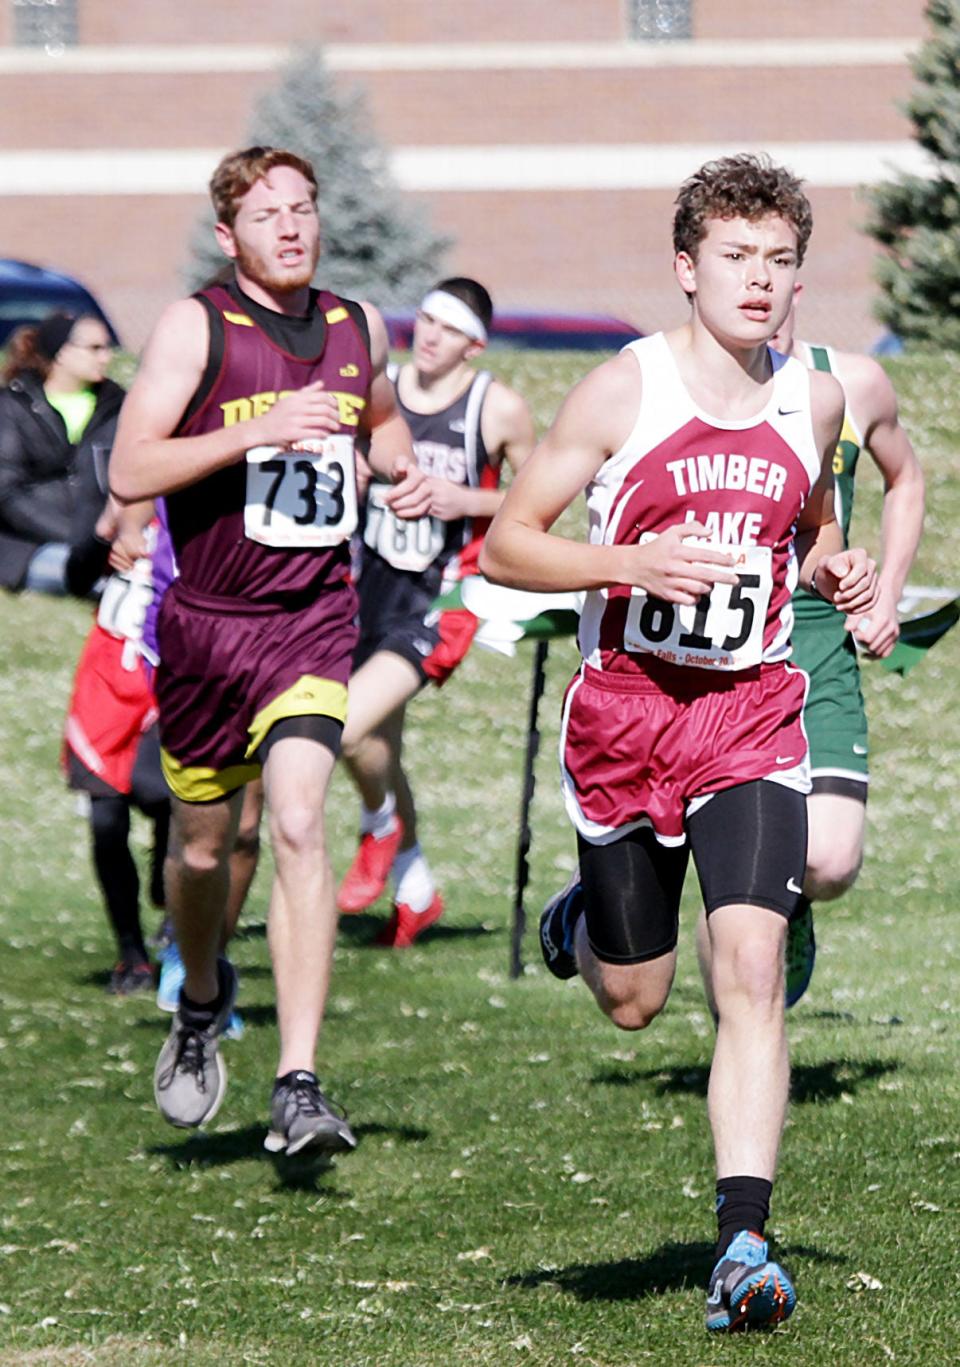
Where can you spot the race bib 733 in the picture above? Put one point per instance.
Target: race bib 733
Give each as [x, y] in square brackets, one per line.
[301, 498]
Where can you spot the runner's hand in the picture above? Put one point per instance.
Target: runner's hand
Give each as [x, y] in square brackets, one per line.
[670, 566]
[307, 414]
[446, 499]
[879, 632]
[129, 542]
[849, 581]
[410, 495]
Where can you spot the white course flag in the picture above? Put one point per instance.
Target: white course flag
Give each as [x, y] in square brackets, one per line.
[511, 615]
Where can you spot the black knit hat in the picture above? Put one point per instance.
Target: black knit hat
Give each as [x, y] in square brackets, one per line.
[53, 332]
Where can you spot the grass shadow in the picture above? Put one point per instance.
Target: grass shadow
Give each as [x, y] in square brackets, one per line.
[361, 931]
[215, 1150]
[304, 1172]
[407, 1134]
[829, 1081]
[301, 1173]
[691, 1079]
[809, 1082]
[671, 1267]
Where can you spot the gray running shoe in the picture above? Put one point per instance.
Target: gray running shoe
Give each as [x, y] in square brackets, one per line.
[302, 1117]
[190, 1077]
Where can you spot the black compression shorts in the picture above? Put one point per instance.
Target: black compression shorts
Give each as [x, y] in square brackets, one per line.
[749, 845]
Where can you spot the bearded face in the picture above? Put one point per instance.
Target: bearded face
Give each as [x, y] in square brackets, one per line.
[281, 271]
[275, 238]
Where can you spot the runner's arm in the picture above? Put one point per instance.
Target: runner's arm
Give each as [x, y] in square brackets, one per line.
[391, 454]
[147, 460]
[873, 402]
[519, 549]
[845, 578]
[508, 435]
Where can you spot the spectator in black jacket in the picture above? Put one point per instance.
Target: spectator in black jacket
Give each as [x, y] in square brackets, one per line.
[58, 415]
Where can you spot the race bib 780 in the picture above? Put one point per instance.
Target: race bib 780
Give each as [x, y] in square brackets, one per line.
[722, 630]
[410, 544]
[301, 498]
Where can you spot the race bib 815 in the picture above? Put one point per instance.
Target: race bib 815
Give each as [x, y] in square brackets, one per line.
[301, 498]
[722, 630]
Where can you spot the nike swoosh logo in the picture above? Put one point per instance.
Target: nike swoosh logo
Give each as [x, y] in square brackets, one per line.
[792, 887]
[788, 412]
[784, 759]
[859, 749]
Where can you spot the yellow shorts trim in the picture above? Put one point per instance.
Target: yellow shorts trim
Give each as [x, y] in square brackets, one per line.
[310, 696]
[197, 783]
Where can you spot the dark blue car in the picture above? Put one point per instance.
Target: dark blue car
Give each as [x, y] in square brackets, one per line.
[28, 293]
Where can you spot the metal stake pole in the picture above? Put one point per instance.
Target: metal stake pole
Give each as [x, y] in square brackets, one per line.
[519, 924]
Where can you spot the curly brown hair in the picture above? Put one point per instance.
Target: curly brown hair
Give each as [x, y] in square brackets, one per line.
[240, 171]
[742, 186]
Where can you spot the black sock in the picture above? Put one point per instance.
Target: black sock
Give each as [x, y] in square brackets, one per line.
[204, 1010]
[742, 1203]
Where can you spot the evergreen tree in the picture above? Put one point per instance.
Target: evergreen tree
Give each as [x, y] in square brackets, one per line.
[374, 245]
[917, 219]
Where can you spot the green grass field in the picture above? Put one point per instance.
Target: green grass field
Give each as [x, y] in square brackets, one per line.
[530, 1186]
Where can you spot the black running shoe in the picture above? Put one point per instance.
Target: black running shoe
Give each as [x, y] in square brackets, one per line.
[302, 1117]
[127, 979]
[800, 954]
[558, 922]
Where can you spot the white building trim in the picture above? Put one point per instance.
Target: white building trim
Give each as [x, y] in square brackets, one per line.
[626, 166]
[373, 57]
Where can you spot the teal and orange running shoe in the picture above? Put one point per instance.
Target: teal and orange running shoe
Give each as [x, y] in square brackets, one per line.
[747, 1290]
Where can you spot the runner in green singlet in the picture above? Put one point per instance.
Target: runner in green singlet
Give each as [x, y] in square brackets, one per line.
[834, 716]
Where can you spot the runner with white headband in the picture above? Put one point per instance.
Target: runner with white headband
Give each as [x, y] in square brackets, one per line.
[456, 313]
[464, 425]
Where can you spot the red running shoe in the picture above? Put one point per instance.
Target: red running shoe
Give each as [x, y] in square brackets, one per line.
[406, 924]
[367, 876]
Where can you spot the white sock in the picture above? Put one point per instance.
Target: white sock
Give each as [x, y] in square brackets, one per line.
[381, 820]
[413, 880]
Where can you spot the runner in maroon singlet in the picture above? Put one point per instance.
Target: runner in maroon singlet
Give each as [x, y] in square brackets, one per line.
[245, 415]
[706, 462]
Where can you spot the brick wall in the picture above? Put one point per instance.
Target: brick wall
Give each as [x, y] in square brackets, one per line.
[622, 105]
[600, 250]
[807, 18]
[360, 21]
